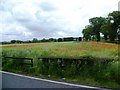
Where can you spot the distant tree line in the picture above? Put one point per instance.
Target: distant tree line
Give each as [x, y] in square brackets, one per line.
[108, 27]
[35, 40]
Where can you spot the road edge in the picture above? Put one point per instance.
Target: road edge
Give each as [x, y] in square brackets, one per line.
[57, 82]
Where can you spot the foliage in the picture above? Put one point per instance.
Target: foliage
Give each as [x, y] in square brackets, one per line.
[97, 22]
[108, 26]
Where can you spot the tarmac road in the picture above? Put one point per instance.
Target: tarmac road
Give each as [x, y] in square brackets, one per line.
[12, 80]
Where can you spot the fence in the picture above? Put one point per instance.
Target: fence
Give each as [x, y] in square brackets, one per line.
[23, 59]
[63, 65]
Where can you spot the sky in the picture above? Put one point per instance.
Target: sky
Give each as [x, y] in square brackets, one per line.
[28, 19]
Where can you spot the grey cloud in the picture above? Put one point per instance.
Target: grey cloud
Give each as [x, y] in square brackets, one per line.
[6, 5]
[8, 34]
[6, 17]
[12, 34]
[21, 16]
[47, 6]
[14, 37]
[42, 26]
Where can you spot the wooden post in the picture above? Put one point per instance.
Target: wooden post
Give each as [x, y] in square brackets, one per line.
[31, 62]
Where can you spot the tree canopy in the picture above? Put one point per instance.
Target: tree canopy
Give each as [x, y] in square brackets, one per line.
[108, 26]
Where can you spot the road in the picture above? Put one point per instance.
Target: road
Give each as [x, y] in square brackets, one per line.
[12, 80]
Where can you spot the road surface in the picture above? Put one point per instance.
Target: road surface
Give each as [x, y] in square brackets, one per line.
[12, 80]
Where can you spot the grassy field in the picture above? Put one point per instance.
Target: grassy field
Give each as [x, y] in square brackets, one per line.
[97, 73]
[62, 49]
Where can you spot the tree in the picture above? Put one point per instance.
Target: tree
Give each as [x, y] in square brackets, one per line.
[60, 39]
[96, 23]
[86, 35]
[114, 18]
[34, 40]
[43, 40]
[109, 27]
[13, 41]
[52, 40]
[104, 29]
[88, 32]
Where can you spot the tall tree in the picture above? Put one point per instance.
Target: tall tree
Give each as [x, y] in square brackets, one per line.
[88, 32]
[105, 28]
[114, 18]
[96, 23]
[35, 40]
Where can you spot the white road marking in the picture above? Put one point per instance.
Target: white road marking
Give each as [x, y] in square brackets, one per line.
[57, 82]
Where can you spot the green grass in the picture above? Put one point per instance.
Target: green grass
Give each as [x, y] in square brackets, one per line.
[63, 49]
[91, 81]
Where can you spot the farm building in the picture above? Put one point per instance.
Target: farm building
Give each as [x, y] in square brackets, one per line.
[72, 39]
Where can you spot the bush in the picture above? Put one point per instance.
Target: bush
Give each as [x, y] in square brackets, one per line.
[115, 71]
[87, 67]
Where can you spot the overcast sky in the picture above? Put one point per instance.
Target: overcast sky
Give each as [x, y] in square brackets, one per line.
[28, 19]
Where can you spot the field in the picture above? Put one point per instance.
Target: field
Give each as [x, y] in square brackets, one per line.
[63, 49]
[97, 73]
